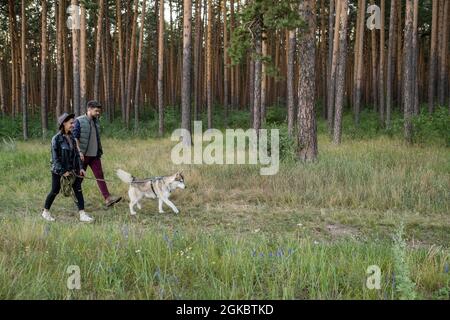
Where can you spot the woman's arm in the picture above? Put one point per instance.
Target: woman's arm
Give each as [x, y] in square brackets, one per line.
[56, 157]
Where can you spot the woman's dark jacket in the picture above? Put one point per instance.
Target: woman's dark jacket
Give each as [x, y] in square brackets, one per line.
[64, 157]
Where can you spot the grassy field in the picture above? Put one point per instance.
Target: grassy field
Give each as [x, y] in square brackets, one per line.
[309, 232]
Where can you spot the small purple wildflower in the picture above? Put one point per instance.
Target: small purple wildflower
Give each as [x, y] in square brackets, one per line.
[279, 252]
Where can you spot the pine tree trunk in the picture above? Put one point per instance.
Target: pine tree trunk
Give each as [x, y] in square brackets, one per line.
[23, 84]
[433, 57]
[381, 66]
[14, 59]
[258, 72]
[443, 70]
[332, 86]
[290, 81]
[187, 63]
[264, 82]
[390, 62]
[108, 66]
[340, 77]
[359, 61]
[67, 54]
[323, 57]
[408, 71]
[330, 55]
[209, 94]
[97, 49]
[374, 67]
[160, 68]
[76, 65]
[197, 53]
[83, 92]
[307, 136]
[121, 61]
[415, 53]
[59, 11]
[399, 55]
[131, 64]
[225, 61]
[44, 110]
[138, 68]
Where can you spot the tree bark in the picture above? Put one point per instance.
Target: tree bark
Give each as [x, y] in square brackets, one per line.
[258, 70]
[209, 93]
[225, 61]
[23, 84]
[290, 81]
[443, 70]
[131, 64]
[83, 92]
[331, 14]
[161, 68]
[332, 86]
[15, 63]
[187, 63]
[197, 53]
[340, 77]
[123, 101]
[359, 61]
[374, 67]
[76, 65]
[408, 71]
[433, 57]
[138, 68]
[307, 136]
[59, 11]
[97, 48]
[415, 53]
[67, 54]
[381, 67]
[44, 110]
[390, 62]
[264, 82]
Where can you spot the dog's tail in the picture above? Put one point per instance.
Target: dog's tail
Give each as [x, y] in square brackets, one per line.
[124, 176]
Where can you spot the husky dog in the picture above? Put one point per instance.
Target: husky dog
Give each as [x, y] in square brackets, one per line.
[154, 188]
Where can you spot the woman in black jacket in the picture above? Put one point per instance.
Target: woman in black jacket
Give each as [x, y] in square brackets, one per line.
[65, 162]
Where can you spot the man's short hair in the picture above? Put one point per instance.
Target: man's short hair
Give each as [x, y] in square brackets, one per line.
[94, 104]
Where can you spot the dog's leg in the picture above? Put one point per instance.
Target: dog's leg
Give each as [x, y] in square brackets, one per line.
[133, 201]
[171, 205]
[138, 205]
[131, 208]
[160, 203]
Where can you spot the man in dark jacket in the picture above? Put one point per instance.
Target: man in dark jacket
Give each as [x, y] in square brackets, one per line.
[87, 135]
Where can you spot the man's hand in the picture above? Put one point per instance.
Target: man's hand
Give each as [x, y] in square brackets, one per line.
[81, 156]
[82, 173]
[66, 174]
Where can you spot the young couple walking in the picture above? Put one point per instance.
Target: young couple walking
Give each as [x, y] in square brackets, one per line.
[76, 146]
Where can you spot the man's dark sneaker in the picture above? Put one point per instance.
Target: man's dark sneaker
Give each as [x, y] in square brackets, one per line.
[112, 200]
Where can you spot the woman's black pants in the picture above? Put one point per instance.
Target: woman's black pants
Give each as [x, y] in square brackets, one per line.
[56, 187]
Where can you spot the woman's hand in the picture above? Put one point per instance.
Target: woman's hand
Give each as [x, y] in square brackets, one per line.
[66, 174]
[81, 156]
[82, 173]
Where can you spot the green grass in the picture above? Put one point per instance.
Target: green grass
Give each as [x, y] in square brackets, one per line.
[311, 231]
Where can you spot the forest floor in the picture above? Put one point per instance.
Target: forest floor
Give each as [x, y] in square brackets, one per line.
[310, 231]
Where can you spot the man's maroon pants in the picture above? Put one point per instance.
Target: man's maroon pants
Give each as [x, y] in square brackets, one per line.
[96, 166]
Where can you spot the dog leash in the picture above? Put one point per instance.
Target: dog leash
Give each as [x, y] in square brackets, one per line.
[84, 177]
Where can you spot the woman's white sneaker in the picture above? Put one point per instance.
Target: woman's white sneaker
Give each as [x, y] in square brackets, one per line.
[47, 216]
[84, 217]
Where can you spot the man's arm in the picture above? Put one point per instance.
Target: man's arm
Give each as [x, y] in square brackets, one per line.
[76, 135]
